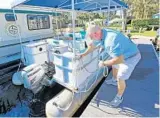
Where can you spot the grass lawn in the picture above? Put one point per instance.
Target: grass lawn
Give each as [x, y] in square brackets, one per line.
[119, 28]
[146, 33]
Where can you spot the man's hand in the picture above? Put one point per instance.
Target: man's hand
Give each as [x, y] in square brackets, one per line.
[101, 64]
[79, 56]
[90, 49]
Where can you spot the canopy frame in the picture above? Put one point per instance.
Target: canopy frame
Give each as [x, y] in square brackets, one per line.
[97, 6]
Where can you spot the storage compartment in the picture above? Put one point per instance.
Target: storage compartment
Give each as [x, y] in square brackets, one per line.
[35, 53]
[68, 60]
[72, 73]
[35, 48]
[55, 52]
[65, 60]
[59, 73]
[79, 45]
[36, 58]
[60, 49]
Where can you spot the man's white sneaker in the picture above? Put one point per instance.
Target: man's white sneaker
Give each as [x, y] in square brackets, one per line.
[111, 82]
[116, 101]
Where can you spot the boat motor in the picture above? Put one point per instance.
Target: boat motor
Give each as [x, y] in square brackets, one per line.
[34, 77]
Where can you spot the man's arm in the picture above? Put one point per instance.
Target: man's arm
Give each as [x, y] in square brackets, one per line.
[89, 50]
[113, 61]
[115, 51]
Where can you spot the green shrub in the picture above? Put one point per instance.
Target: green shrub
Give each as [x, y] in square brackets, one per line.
[129, 25]
[99, 22]
[144, 23]
[134, 31]
[153, 21]
[115, 25]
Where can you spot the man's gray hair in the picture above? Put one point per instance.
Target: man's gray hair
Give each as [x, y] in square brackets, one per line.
[92, 28]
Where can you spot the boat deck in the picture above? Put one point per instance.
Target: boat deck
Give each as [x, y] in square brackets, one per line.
[142, 92]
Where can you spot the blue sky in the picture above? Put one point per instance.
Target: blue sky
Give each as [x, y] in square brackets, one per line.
[5, 3]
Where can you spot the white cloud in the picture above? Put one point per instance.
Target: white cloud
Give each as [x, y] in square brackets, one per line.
[5, 3]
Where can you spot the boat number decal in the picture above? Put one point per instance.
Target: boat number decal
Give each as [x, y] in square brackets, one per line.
[12, 30]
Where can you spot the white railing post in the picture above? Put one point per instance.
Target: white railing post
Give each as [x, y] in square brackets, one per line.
[123, 19]
[109, 4]
[73, 27]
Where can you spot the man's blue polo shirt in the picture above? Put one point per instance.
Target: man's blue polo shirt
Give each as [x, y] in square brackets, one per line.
[116, 44]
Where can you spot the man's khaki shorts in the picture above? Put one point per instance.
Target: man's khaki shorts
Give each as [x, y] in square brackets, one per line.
[125, 70]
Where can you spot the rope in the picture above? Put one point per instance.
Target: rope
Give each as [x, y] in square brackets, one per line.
[20, 39]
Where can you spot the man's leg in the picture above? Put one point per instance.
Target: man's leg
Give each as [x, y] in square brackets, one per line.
[121, 83]
[114, 72]
[124, 72]
[113, 81]
[121, 86]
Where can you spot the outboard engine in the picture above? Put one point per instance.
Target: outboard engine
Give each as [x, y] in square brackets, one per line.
[35, 76]
[37, 79]
[32, 76]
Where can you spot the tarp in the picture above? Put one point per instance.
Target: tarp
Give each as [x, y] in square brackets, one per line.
[81, 5]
